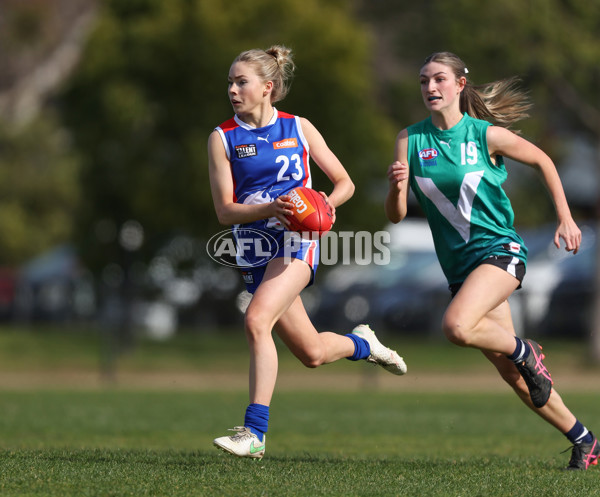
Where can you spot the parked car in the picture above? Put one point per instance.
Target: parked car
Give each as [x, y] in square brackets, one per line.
[558, 290]
[54, 287]
[409, 294]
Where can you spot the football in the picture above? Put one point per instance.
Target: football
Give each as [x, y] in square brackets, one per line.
[311, 212]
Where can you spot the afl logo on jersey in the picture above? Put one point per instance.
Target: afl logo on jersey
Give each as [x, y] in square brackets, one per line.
[428, 156]
[248, 150]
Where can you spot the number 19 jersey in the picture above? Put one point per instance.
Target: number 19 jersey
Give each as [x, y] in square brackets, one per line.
[460, 190]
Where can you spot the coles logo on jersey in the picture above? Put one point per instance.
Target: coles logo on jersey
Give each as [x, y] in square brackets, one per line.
[428, 156]
[248, 150]
[287, 143]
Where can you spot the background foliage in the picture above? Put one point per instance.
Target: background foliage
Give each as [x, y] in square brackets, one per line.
[150, 86]
[38, 189]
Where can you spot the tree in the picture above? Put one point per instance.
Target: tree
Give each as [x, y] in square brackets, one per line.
[38, 168]
[38, 190]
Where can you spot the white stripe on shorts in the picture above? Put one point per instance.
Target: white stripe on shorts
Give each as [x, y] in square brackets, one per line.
[511, 267]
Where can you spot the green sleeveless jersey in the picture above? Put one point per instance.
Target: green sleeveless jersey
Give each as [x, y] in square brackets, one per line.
[460, 190]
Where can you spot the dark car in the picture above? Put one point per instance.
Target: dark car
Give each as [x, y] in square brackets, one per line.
[409, 294]
[558, 291]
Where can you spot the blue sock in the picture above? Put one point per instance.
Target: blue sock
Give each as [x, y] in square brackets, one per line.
[257, 419]
[521, 351]
[362, 349]
[579, 434]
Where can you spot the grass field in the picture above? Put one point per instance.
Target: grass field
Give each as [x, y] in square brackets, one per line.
[346, 432]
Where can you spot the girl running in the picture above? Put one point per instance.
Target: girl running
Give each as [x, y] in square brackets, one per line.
[454, 163]
[255, 158]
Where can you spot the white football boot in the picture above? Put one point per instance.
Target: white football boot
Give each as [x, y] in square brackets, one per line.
[243, 444]
[388, 359]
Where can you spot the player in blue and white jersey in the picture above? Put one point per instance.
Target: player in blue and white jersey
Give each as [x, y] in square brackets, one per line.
[453, 162]
[267, 162]
[255, 158]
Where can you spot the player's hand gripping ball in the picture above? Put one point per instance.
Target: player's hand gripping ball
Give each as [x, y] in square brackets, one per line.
[311, 212]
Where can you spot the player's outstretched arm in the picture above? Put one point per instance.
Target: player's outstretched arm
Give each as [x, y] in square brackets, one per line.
[502, 141]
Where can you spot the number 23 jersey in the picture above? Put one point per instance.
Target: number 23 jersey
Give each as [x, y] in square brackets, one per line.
[266, 162]
[460, 190]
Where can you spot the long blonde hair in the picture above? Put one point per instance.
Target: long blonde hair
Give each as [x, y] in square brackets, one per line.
[501, 102]
[273, 64]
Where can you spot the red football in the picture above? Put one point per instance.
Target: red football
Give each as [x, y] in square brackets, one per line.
[311, 212]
